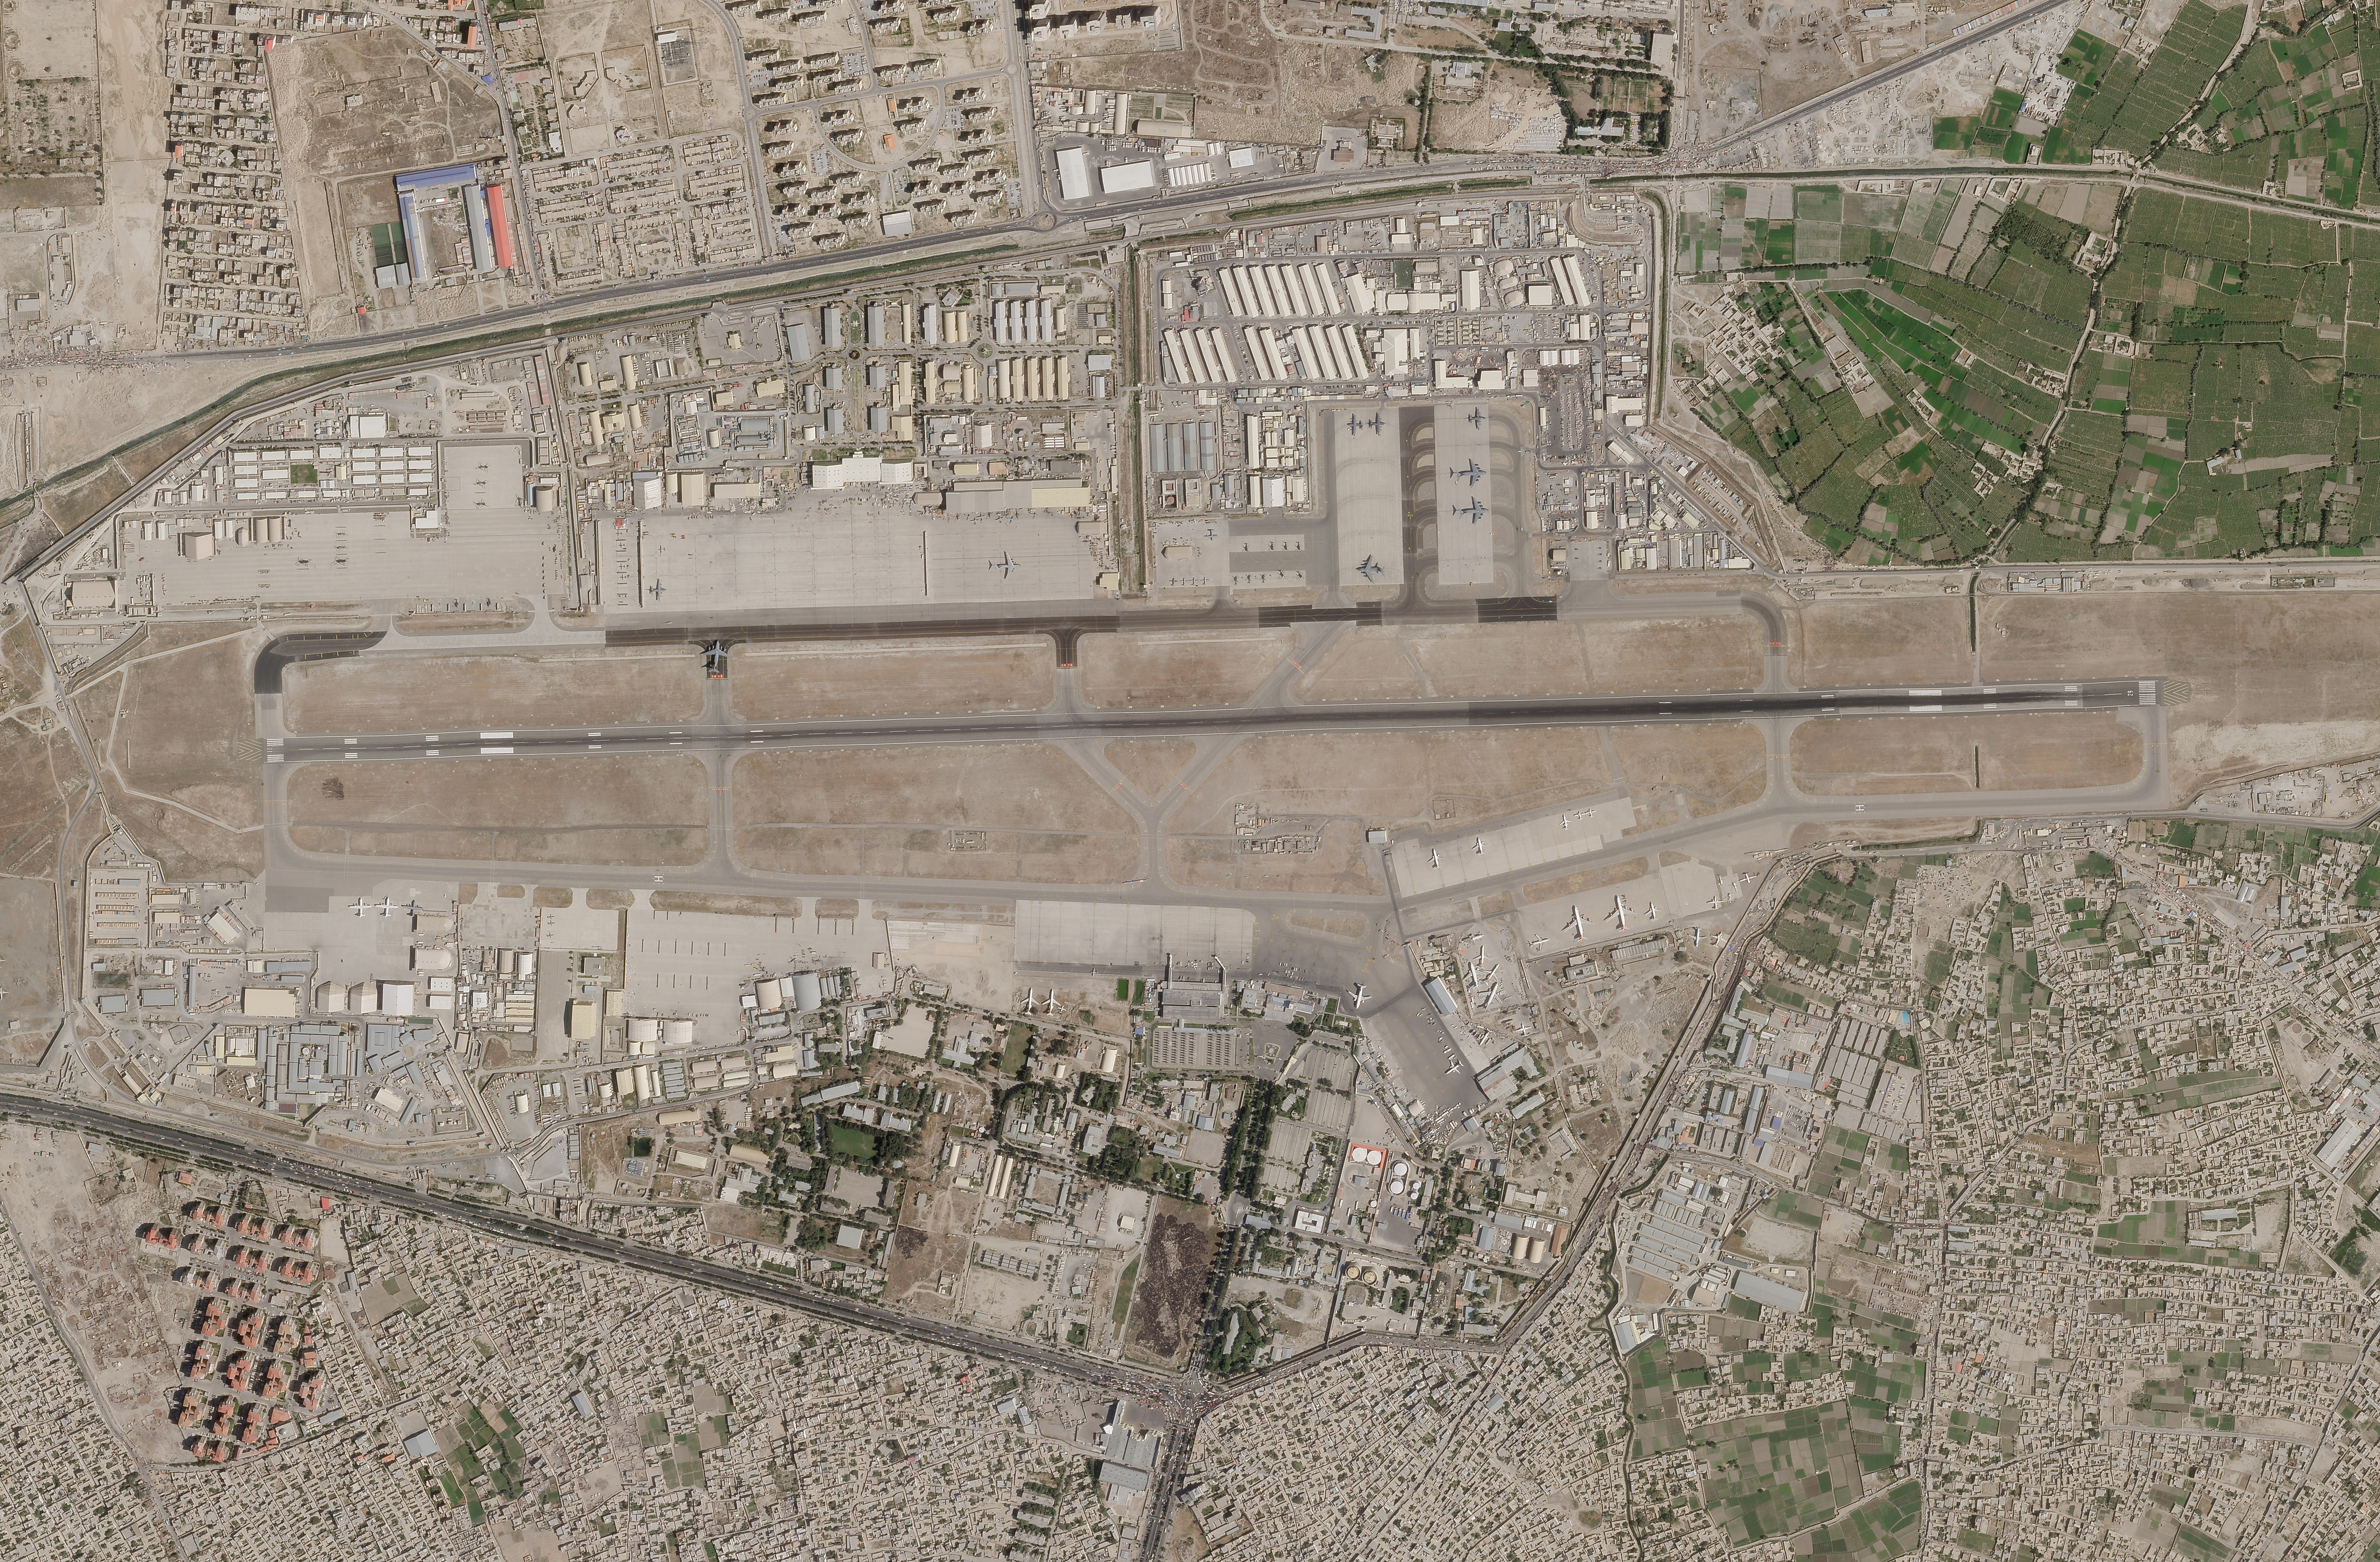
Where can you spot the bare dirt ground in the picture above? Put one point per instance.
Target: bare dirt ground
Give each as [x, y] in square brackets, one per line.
[1149, 763]
[411, 116]
[1398, 780]
[1175, 1268]
[1511, 96]
[2275, 678]
[1884, 831]
[1338, 865]
[1850, 755]
[41, 780]
[1198, 667]
[931, 1241]
[1252, 83]
[1023, 812]
[789, 683]
[1853, 645]
[1584, 880]
[648, 810]
[42, 776]
[1707, 766]
[1531, 660]
[1666, 655]
[31, 1002]
[413, 694]
[176, 726]
[725, 905]
[75, 1220]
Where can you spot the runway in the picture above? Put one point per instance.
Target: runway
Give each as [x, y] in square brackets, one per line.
[1370, 716]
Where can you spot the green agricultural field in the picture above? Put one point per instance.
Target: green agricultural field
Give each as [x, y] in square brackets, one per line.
[2161, 1234]
[1955, 379]
[2292, 113]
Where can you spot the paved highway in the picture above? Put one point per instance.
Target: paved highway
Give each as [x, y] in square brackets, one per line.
[1784, 874]
[142, 1133]
[1857, 85]
[1396, 715]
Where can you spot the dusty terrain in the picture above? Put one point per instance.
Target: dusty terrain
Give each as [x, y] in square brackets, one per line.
[75, 1220]
[1194, 667]
[1508, 100]
[1023, 812]
[892, 678]
[1337, 864]
[1851, 645]
[1398, 780]
[648, 811]
[175, 726]
[1151, 764]
[1584, 880]
[1251, 84]
[412, 693]
[1849, 755]
[42, 779]
[2273, 679]
[413, 113]
[31, 1000]
[1706, 766]
[1523, 661]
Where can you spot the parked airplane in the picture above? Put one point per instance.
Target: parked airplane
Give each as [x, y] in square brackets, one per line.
[1478, 416]
[1478, 846]
[1375, 425]
[1005, 566]
[1473, 471]
[1360, 994]
[1493, 988]
[1474, 509]
[655, 590]
[1371, 568]
[1620, 910]
[1577, 924]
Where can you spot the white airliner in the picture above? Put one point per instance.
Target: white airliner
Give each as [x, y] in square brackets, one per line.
[1360, 994]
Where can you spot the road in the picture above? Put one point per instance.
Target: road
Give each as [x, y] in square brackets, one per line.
[1783, 874]
[1874, 80]
[142, 1133]
[1365, 715]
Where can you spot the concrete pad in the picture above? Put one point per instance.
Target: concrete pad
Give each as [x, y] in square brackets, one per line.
[845, 552]
[1367, 502]
[1132, 936]
[362, 555]
[1657, 900]
[1429, 866]
[1467, 514]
